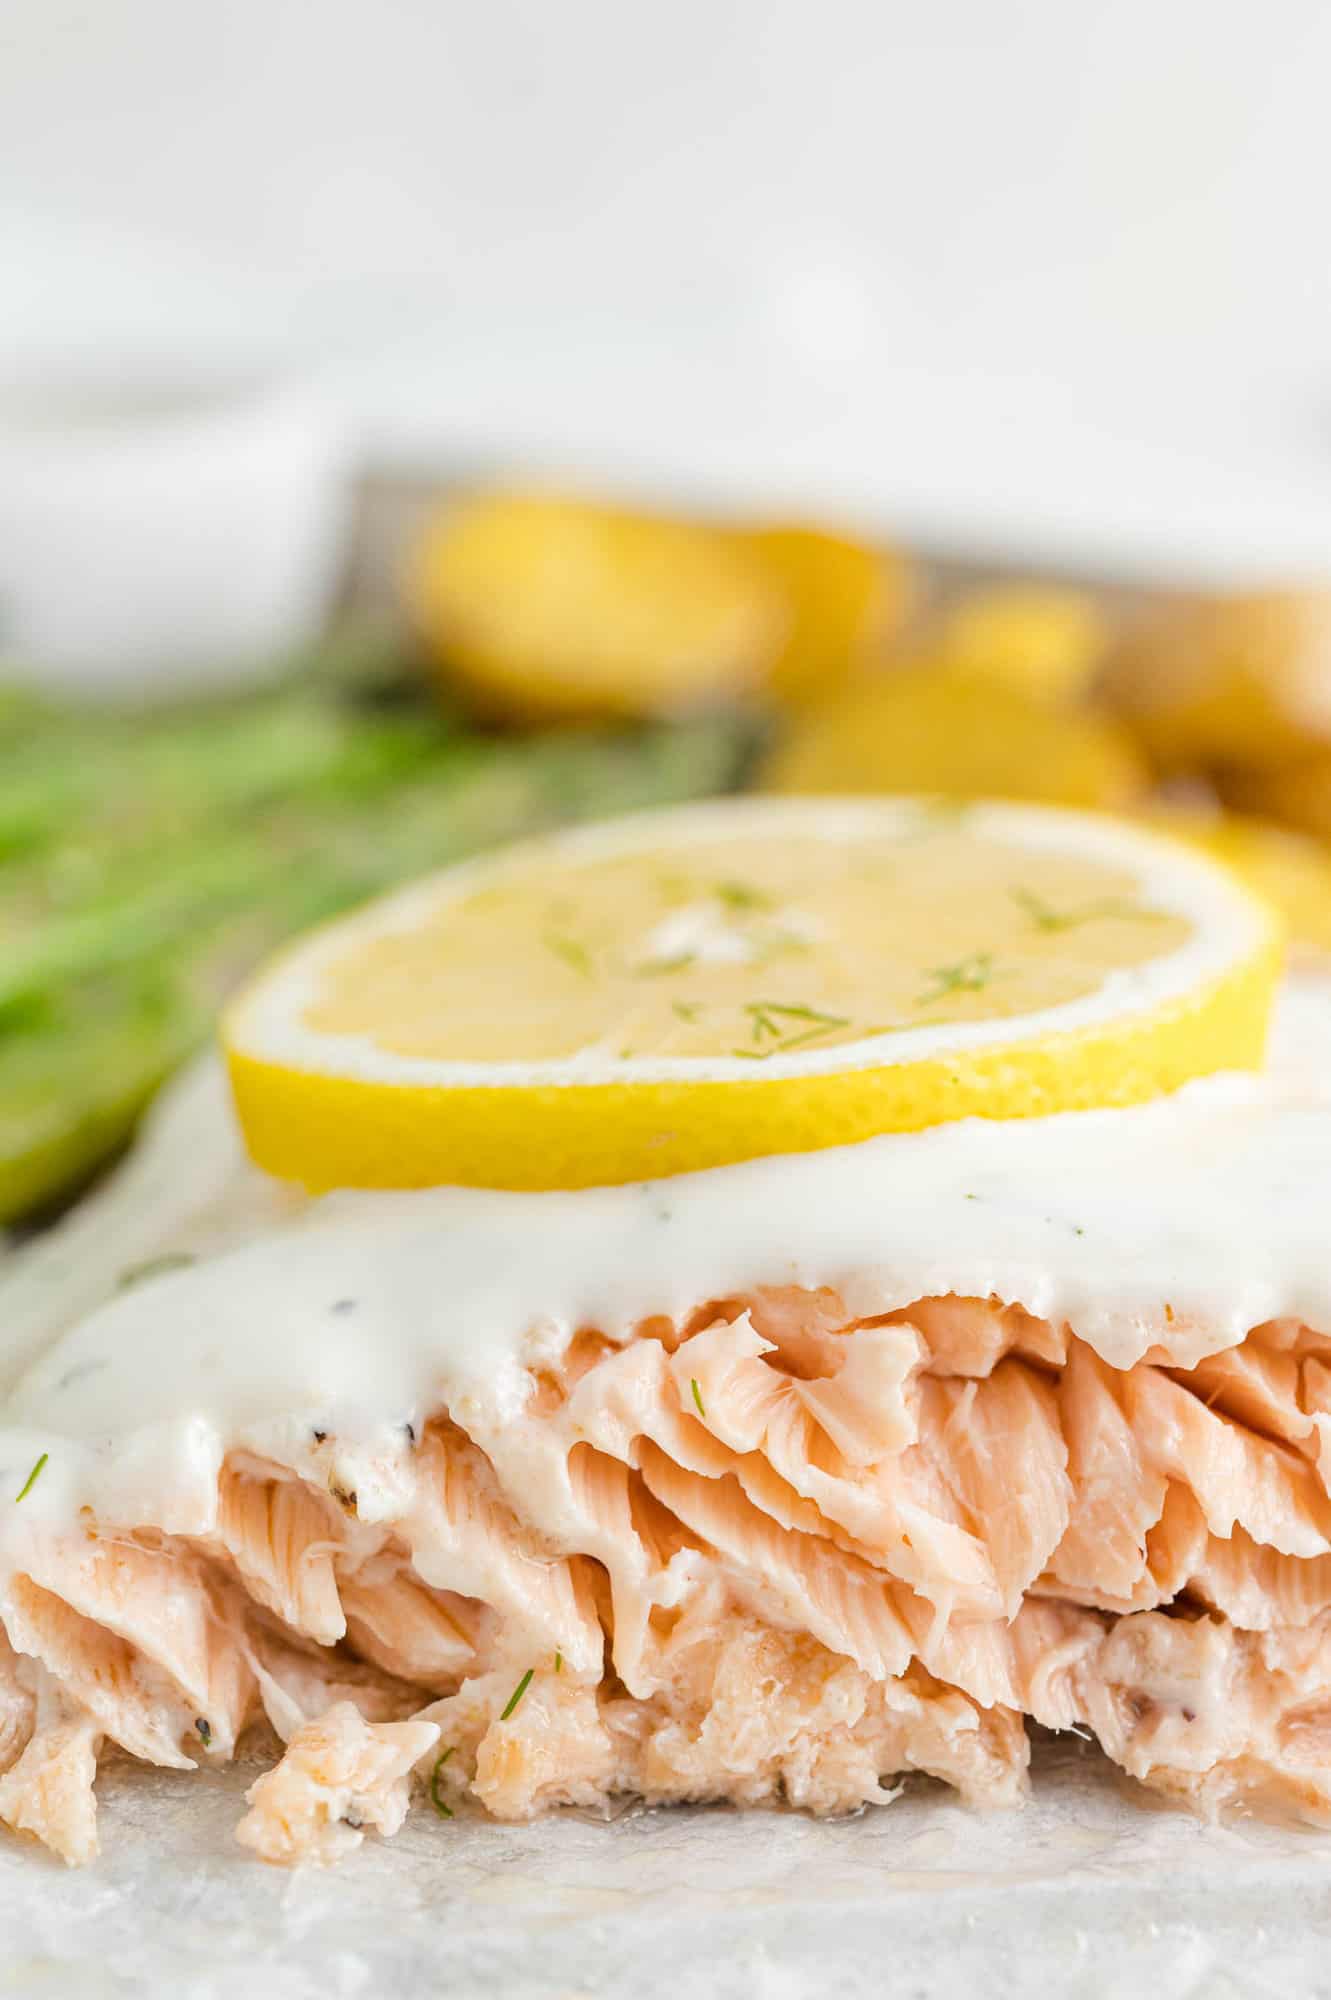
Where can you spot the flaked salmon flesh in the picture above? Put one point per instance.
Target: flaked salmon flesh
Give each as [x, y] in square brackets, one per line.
[767, 1554]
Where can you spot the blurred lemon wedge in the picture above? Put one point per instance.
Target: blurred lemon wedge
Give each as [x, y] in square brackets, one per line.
[845, 601]
[679, 990]
[1042, 641]
[545, 607]
[1241, 680]
[928, 728]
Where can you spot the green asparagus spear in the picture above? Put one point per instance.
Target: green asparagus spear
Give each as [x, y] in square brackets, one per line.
[146, 865]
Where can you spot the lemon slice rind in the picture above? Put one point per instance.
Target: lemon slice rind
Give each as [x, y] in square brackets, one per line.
[329, 1109]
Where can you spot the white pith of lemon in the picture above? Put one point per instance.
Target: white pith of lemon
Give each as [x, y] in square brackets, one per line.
[678, 990]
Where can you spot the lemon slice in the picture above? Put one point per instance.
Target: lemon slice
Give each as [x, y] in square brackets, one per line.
[547, 608]
[681, 989]
[1292, 871]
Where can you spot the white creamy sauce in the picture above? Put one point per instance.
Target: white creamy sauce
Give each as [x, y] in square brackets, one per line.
[1182, 1223]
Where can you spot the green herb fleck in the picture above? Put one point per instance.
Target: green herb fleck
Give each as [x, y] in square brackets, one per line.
[441, 1806]
[154, 1267]
[686, 1010]
[802, 1013]
[697, 1397]
[741, 896]
[1045, 917]
[203, 1729]
[517, 1694]
[968, 975]
[576, 956]
[32, 1478]
[1042, 914]
[763, 1024]
[655, 968]
[772, 1021]
[972, 1197]
[559, 1663]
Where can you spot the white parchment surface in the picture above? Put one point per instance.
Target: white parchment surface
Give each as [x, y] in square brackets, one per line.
[1090, 1891]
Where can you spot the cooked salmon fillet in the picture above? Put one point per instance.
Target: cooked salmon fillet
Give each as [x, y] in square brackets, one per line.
[772, 1552]
[778, 1483]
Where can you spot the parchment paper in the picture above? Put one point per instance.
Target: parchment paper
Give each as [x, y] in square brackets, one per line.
[1089, 1891]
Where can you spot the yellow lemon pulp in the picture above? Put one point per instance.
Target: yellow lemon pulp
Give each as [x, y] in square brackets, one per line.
[686, 989]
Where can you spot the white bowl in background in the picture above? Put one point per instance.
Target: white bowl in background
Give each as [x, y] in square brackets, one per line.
[169, 538]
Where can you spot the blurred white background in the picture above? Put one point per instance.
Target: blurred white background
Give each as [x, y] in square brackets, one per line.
[1046, 274]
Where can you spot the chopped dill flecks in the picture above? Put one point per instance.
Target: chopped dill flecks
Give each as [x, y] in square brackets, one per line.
[559, 1663]
[772, 1026]
[203, 1729]
[799, 1012]
[686, 1010]
[763, 1024]
[968, 975]
[972, 1197]
[697, 1397]
[576, 956]
[1109, 909]
[32, 1478]
[1042, 914]
[517, 1694]
[441, 1806]
[656, 968]
[154, 1267]
[742, 896]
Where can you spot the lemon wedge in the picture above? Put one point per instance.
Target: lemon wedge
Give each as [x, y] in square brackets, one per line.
[1297, 794]
[928, 728]
[844, 600]
[544, 607]
[1044, 642]
[677, 990]
[1241, 680]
